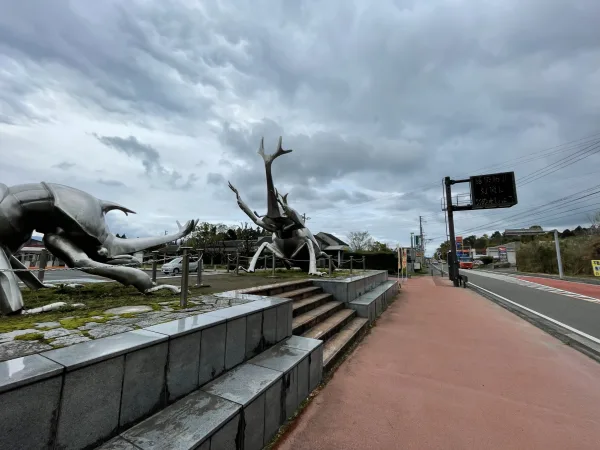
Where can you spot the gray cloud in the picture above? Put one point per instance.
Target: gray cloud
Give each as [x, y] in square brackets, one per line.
[216, 179]
[65, 165]
[113, 183]
[377, 100]
[150, 159]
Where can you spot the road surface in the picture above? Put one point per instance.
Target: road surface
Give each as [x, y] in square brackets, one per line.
[574, 304]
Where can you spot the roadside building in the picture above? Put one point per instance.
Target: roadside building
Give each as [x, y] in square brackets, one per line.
[511, 251]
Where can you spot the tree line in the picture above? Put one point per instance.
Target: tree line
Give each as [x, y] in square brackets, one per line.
[480, 243]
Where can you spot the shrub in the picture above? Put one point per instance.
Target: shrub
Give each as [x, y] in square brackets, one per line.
[576, 252]
[487, 259]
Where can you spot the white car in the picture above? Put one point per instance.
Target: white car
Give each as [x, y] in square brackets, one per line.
[175, 266]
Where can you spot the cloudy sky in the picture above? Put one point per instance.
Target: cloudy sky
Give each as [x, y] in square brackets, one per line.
[157, 104]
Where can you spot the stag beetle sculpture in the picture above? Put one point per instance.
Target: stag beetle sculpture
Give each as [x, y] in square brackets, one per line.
[75, 231]
[291, 239]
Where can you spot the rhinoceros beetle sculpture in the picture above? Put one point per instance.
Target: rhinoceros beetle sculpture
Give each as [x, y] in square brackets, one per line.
[75, 231]
[291, 238]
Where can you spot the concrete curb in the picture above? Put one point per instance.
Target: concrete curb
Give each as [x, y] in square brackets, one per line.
[580, 343]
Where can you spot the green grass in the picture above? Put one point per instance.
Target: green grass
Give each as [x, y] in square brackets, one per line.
[30, 337]
[98, 297]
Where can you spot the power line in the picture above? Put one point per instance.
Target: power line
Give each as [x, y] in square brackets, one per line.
[561, 163]
[522, 159]
[562, 202]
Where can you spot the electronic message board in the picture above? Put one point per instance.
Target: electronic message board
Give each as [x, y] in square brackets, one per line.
[497, 190]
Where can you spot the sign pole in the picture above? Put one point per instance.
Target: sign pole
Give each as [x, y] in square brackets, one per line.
[452, 264]
[558, 257]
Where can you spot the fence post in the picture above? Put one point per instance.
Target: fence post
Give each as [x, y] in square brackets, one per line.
[237, 262]
[42, 264]
[273, 264]
[185, 272]
[330, 266]
[154, 264]
[351, 265]
[199, 269]
[364, 264]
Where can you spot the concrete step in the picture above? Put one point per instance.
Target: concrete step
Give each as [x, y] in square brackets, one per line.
[276, 289]
[331, 325]
[242, 408]
[312, 302]
[339, 343]
[309, 319]
[299, 294]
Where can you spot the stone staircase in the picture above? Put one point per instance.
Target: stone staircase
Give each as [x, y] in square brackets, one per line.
[318, 315]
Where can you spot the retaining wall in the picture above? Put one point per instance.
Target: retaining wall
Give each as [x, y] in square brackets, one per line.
[82, 395]
[348, 289]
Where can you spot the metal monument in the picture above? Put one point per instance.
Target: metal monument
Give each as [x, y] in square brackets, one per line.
[291, 240]
[75, 231]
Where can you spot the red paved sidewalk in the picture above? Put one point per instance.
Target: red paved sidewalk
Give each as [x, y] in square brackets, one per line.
[591, 290]
[447, 369]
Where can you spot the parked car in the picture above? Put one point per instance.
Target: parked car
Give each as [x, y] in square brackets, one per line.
[174, 266]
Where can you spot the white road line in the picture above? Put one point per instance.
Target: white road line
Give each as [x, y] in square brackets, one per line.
[541, 287]
[574, 330]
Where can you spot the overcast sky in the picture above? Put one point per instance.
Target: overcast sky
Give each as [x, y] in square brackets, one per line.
[157, 104]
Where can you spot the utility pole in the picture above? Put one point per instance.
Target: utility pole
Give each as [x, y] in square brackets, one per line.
[453, 261]
[412, 253]
[421, 241]
[304, 218]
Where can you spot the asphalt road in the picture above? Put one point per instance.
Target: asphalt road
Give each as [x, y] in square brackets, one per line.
[577, 313]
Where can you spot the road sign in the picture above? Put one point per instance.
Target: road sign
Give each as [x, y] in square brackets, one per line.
[596, 267]
[496, 190]
[459, 239]
[502, 254]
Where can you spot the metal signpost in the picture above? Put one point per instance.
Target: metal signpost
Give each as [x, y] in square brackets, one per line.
[491, 191]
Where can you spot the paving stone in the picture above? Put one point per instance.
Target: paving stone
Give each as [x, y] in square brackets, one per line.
[124, 321]
[104, 330]
[71, 339]
[129, 309]
[150, 322]
[6, 337]
[14, 349]
[176, 316]
[47, 325]
[90, 325]
[58, 332]
[151, 315]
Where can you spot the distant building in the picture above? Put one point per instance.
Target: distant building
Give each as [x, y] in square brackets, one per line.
[511, 251]
[332, 245]
[29, 254]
